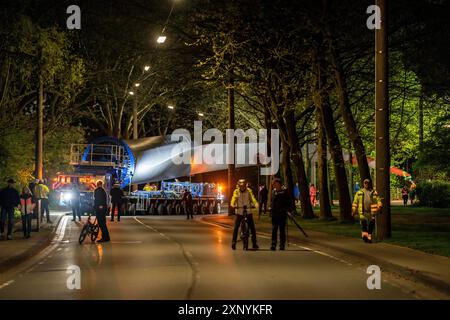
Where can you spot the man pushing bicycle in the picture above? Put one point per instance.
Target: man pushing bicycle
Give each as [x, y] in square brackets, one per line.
[243, 197]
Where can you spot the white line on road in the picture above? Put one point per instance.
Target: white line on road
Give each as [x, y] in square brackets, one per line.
[187, 255]
[7, 283]
[225, 226]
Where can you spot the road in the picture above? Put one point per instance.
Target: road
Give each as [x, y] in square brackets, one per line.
[171, 258]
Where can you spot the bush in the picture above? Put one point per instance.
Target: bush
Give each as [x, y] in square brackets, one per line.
[434, 194]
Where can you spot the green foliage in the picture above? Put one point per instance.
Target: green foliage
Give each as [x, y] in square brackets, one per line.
[434, 159]
[434, 194]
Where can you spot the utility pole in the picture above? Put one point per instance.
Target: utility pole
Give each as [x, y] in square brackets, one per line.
[134, 187]
[40, 131]
[382, 160]
[231, 167]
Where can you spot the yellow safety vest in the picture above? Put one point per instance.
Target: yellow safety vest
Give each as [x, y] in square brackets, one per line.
[358, 204]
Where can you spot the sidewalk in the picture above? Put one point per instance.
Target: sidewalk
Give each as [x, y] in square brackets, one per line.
[13, 252]
[431, 270]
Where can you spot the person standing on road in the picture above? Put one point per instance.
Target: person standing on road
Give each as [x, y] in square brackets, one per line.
[101, 207]
[405, 195]
[116, 201]
[280, 206]
[263, 195]
[188, 203]
[243, 196]
[42, 192]
[75, 203]
[366, 205]
[26, 208]
[9, 199]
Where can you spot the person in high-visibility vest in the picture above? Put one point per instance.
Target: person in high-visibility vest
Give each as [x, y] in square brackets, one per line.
[243, 197]
[366, 205]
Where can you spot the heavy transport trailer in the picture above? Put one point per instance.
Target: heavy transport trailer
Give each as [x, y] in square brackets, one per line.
[147, 160]
[147, 203]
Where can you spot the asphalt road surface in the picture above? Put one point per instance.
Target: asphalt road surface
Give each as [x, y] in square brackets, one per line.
[173, 258]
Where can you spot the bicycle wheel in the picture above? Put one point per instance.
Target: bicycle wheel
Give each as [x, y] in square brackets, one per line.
[83, 233]
[244, 235]
[94, 232]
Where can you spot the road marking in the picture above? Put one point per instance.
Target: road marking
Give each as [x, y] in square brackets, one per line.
[7, 283]
[126, 242]
[41, 257]
[187, 255]
[61, 230]
[226, 226]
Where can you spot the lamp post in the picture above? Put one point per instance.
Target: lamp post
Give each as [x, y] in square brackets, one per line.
[231, 125]
[135, 113]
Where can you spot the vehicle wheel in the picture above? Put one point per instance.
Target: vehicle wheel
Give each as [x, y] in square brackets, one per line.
[170, 209]
[94, 233]
[83, 233]
[216, 209]
[178, 209]
[162, 209]
[245, 241]
[195, 209]
[152, 209]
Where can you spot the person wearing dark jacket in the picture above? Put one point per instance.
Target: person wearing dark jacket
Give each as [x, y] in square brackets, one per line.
[116, 200]
[9, 199]
[263, 195]
[188, 203]
[26, 208]
[280, 206]
[75, 203]
[101, 207]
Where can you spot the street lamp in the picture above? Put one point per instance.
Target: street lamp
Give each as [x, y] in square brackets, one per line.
[161, 39]
[131, 93]
[200, 114]
[146, 68]
[170, 107]
[137, 85]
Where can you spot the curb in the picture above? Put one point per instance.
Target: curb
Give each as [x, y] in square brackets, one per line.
[37, 248]
[410, 274]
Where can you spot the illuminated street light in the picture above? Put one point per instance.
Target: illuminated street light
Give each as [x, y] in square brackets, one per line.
[131, 93]
[200, 114]
[137, 85]
[170, 107]
[161, 39]
[146, 68]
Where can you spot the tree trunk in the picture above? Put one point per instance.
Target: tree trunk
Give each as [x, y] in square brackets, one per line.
[321, 101]
[322, 163]
[421, 121]
[349, 121]
[231, 167]
[287, 169]
[297, 158]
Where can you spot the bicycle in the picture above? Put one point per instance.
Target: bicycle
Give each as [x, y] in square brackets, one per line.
[245, 230]
[89, 228]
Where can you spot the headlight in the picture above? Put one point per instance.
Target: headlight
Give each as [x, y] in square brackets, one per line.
[66, 196]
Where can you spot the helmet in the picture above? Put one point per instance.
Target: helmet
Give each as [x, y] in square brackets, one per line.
[242, 182]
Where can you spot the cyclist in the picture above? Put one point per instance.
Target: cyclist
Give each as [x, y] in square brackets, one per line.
[243, 196]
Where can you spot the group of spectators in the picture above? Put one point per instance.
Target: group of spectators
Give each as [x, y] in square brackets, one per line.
[25, 204]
